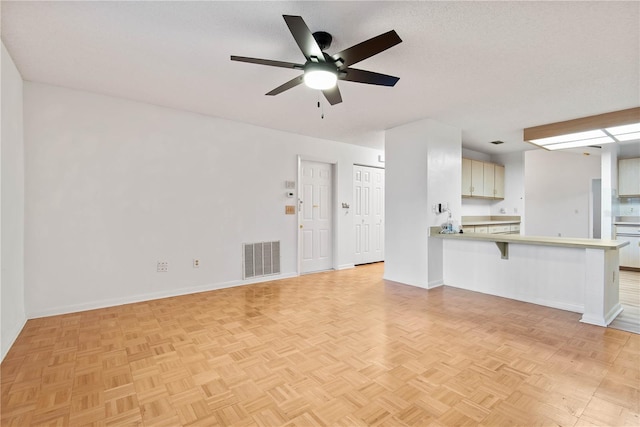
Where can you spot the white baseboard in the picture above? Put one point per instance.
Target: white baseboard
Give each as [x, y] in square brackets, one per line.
[346, 266]
[6, 345]
[567, 306]
[92, 305]
[434, 284]
[605, 320]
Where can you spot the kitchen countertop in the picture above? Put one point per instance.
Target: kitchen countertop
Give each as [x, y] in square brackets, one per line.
[535, 240]
[627, 220]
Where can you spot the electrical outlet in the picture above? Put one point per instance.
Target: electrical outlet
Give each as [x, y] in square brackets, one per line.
[196, 263]
[163, 267]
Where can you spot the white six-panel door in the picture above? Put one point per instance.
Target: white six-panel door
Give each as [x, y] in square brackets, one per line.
[315, 211]
[368, 214]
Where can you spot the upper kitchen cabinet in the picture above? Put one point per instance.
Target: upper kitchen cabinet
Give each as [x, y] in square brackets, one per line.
[482, 179]
[629, 177]
[498, 182]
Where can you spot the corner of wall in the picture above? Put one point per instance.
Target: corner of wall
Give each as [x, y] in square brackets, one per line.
[12, 307]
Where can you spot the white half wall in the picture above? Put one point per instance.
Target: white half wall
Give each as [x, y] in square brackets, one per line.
[12, 306]
[557, 187]
[423, 168]
[113, 186]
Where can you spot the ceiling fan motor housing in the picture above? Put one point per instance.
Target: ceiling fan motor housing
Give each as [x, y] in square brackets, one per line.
[323, 39]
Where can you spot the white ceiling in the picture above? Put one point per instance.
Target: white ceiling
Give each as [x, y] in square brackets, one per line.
[489, 68]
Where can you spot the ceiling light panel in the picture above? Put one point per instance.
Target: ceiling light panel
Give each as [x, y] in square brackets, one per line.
[569, 137]
[582, 143]
[628, 136]
[626, 129]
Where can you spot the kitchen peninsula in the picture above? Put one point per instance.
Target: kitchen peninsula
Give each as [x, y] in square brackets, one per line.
[579, 275]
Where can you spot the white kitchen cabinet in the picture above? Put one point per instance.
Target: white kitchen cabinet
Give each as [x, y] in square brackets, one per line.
[499, 182]
[466, 177]
[499, 229]
[630, 254]
[488, 189]
[482, 179]
[629, 177]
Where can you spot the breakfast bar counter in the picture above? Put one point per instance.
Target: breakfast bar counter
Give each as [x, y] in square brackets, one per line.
[579, 275]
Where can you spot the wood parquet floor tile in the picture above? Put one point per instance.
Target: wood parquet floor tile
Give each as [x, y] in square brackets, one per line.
[340, 348]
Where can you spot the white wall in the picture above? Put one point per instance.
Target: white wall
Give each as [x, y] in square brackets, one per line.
[513, 203]
[557, 187]
[113, 186]
[423, 168]
[628, 206]
[608, 190]
[12, 307]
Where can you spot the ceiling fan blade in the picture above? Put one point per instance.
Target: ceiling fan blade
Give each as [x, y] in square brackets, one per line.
[333, 95]
[281, 64]
[288, 85]
[368, 77]
[367, 49]
[303, 37]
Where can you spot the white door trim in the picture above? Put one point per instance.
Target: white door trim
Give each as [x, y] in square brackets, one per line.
[334, 209]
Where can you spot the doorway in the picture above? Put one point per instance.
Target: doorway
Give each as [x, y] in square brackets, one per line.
[368, 214]
[315, 212]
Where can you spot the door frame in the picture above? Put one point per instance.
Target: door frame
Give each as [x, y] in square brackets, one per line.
[334, 209]
[353, 201]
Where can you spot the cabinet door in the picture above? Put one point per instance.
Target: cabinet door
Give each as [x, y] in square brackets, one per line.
[499, 229]
[466, 177]
[499, 182]
[477, 178]
[489, 180]
[629, 177]
[630, 254]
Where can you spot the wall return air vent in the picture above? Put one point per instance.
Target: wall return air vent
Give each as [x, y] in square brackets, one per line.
[260, 259]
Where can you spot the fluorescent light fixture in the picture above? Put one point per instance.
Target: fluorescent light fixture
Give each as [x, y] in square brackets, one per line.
[620, 130]
[320, 76]
[569, 137]
[580, 143]
[628, 136]
[616, 126]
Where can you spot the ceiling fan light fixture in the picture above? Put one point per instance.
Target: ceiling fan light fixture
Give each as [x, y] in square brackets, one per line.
[320, 76]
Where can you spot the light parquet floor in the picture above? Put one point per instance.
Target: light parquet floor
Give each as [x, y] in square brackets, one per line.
[341, 348]
[629, 319]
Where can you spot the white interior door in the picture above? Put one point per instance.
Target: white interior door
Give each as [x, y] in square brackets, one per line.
[316, 217]
[368, 214]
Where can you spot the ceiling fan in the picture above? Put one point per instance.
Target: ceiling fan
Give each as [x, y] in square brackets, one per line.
[322, 71]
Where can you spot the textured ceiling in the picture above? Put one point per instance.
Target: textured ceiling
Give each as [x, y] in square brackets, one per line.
[489, 68]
